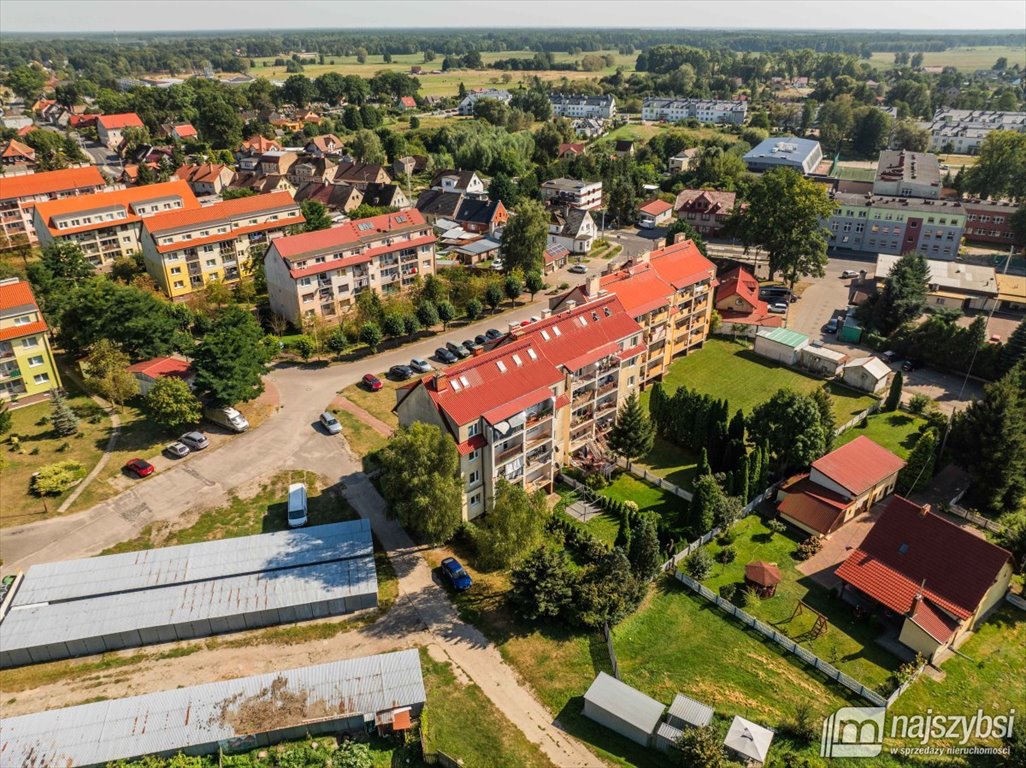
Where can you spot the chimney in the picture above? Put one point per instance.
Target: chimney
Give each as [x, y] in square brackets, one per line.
[924, 510]
[680, 237]
[571, 305]
[546, 313]
[441, 381]
[591, 288]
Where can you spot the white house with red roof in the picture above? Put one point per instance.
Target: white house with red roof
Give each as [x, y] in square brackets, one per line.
[936, 579]
[655, 213]
[839, 486]
[149, 372]
[110, 129]
[546, 394]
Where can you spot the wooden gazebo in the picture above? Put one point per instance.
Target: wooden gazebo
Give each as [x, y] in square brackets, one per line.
[764, 577]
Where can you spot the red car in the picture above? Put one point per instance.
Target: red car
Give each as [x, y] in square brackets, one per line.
[372, 382]
[139, 468]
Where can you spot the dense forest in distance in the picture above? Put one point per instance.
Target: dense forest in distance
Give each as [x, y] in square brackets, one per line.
[231, 51]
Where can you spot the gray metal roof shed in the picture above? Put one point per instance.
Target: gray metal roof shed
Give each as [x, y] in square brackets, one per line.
[666, 736]
[242, 713]
[687, 711]
[623, 709]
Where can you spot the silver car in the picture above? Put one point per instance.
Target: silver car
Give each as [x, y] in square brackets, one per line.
[420, 365]
[196, 441]
[330, 423]
[177, 450]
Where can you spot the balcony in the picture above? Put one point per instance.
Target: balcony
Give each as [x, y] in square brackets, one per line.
[538, 438]
[533, 417]
[508, 454]
[543, 457]
[606, 406]
[9, 371]
[583, 418]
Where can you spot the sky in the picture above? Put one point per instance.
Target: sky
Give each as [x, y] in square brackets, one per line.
[205, 15]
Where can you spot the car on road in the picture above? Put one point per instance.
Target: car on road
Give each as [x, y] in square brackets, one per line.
[890, 356]
[578, 269]
[472, 345]
[330, 423]
[492, 334]
[849, 273]
[400, 372]
[196, 441]
[176, 450]
[420, 365]
[497, 265]
[372, 382]
[457, 349]
[909, 365]
[481, 339]
[445, 356]
[831, 326]
[455, 575]
[139, 467]
[780, 307]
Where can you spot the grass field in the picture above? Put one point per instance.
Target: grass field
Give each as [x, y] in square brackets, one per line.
[982, 57]
[378, 404]
[897, 432]
[38, 446]
[730, 370]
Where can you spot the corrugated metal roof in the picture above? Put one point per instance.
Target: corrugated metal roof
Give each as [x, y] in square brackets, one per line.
[626, 703]
[89, 577]
[690, 711]
[93, 734]
[785, 336]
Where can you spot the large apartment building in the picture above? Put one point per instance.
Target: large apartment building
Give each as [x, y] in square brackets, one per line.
[703, 110]
[107, 225]
[963, 130]
[19, 195]
[897, 225]
[27, 366]
[185, 250]
[989, 221]
[547, 392]
[668, 293]
[319, 274]
[579, 105]
[584, 195]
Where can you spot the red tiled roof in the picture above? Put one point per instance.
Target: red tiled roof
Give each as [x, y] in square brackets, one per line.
[682, 264]
[859, 465]
[185, 130]
[911, 551]
[563, 400]
[573, 148]
[26, 130]
[113, 198]
[739, 281]
[763, 574]
[408, 101]
[203, 172]
[812, 505]
[49, 182]
[474, 443]
[516, 405]
[227, 209]
[162, 366]
[122, 120]
[15, 148]
[639, 288]
[17, 331]
[259, 144]
[16, 294]
[932, 620]
[656, 207]
[349, 234]
[717, 203]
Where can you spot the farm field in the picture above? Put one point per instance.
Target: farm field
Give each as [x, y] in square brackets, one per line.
[981, 57]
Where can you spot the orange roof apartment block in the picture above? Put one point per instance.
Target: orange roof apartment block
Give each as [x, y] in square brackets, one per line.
[19, 194]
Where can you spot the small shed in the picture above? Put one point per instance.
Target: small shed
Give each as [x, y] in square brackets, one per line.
[623, 709]
[763, 576]
[667, 736]
[685, 711]
[870, 374]
[148, 372]
[822, 360]
[780, 344]
[748, 742]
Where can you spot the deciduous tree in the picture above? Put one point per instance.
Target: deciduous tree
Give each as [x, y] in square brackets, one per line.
[541, 587]
[316, 216]
[107, 373]
[790, 423]
[524, 238]
[513, 527]
[172, 404]
[231, 359]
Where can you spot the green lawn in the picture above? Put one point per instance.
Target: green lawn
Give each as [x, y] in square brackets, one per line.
[649, 499]
[897, 432]
[673, 464]
[725, 369]
[38, 445]
[379, 404]
[847, 644]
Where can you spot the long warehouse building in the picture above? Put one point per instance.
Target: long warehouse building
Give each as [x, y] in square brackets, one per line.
[100, 604]
[244, 713]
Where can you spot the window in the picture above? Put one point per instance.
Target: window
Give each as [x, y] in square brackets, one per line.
[176, 270]
[35, 361]
[472, 456]
[30, 343]
[23, 320]
[179, 284]
[41, 378]
[473, 429]
[473, 477]
[475, 500]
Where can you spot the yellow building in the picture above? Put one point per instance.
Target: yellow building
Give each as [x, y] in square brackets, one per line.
[186, 250]
[27, 366]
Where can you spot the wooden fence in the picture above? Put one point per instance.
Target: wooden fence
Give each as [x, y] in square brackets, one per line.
[857, 418]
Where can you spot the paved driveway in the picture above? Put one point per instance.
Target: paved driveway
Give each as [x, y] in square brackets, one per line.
[838, 547]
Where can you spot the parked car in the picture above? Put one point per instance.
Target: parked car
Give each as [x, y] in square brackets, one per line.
[457, 349]
[481, 339]
[227, 417]
[910, 365]
[493, 334]
[196, 441]
[176, 450]
[372, 382]
[535, 319]
[831, 326]
[472, 345]
[139, 468]
[780, 307]
[456, 576]
[890, 356]
[400, 372]
[330, 423]
[579, 269]
[849, 273]
[497, 265]
[445, 355]
[420, 365]
[297, 505]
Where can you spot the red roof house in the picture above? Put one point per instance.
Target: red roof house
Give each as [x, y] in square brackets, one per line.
[939, 578]
[737, 301]
[570, 149]
[148, 372]
[110, 128]
[654, 213]
[841, 485]
[17, 153]
[706, 210]
[406, 102]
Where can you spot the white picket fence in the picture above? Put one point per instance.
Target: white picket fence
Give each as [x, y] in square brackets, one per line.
[857, 418]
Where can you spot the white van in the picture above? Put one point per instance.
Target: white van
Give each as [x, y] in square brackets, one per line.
[297, 505]
[227, 417]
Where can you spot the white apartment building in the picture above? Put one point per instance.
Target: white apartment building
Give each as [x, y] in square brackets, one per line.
[466, 107]
[703, 110]
[578, 105]
[584, 195]
[963, 130]
[319, 274]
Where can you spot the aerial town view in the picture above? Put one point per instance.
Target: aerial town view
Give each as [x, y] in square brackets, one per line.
[526, 384]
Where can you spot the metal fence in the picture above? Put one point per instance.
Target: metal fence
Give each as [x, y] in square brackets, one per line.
[1015, 600]
[612, 651]
[644, 474]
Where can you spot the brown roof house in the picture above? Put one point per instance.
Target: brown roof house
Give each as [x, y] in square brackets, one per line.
[704, 209]
[206, 178]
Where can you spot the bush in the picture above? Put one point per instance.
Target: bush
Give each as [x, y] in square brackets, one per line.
[55, 479]
[776, 526]
[726, 555]
[809, 547]
[698, 564]
[728, 592]
[596, 481]
[749, 597]
[919, 403]
[727, 537]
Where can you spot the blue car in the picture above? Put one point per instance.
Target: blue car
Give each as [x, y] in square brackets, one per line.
[454, 572]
